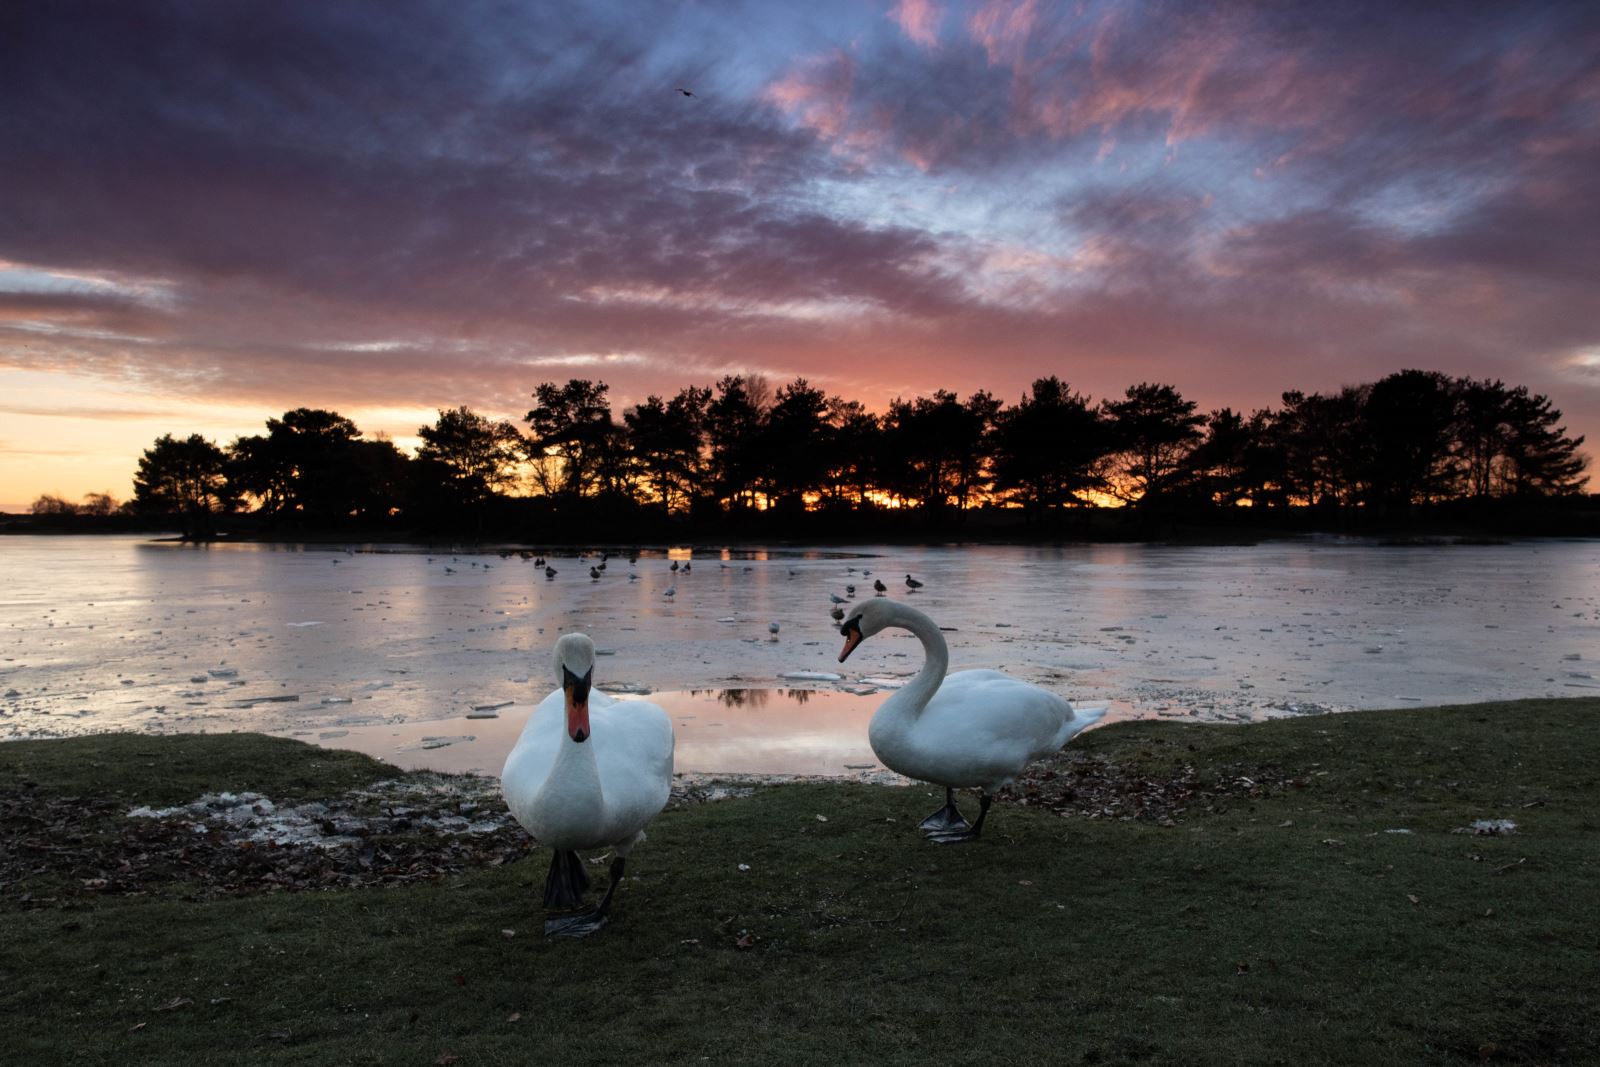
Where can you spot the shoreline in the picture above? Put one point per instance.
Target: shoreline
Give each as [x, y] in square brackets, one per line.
[1422, 534]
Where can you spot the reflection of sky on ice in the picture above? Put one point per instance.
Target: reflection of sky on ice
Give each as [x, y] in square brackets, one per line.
[739, 731]
[110, 633]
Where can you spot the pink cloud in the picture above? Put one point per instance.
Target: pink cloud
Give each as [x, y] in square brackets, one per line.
[919, 19]
[1003, 27]
[816, 93]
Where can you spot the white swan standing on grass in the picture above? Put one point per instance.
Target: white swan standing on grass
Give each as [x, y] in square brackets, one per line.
[971, 728]
[588, 772]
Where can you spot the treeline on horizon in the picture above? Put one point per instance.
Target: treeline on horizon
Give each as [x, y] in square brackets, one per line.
[744, 457]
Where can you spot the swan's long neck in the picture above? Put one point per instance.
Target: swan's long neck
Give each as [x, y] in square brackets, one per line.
[914, 696]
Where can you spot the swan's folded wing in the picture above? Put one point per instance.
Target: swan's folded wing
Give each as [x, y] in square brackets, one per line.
[634, 747]
[1011, 719]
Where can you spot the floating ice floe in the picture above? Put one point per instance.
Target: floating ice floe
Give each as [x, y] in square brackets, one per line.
[810, 676]
[303, 625]
[441, 742]
[250, 702]
[493, 705]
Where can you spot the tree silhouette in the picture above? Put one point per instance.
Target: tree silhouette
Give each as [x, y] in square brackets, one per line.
[380, 479]
[1152, 430]
[1483, 431]
[733, 434]
[1322, 443]
[1219, 468]
[1049, 449]
[575, 447]
[98, 505]
[477, 456]
[794, 440]
[259, 469]
[1541, 459]
[1392, 449]
[1409, 426]
[183, 478]
[53, 507]
[938, 446]
[303, 469]
[666, 442]
[853, 447]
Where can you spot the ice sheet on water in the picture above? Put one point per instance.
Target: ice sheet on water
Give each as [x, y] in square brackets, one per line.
[1290, 619]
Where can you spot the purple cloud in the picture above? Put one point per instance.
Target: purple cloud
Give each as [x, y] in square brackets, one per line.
[408, 204]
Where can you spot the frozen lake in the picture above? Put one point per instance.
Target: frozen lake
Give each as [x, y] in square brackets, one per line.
[389, 650]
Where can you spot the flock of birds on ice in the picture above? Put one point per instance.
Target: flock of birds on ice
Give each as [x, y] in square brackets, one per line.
[597, 571]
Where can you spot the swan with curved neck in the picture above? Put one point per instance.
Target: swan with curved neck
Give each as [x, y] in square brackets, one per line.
[971, 728]
[588, 772]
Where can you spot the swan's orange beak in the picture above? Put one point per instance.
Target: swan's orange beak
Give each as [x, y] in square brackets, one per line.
[852, 637]
[577, 692]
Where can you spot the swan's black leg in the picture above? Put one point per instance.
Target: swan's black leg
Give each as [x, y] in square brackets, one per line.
[956, 837]
[588, 922]
[567, 881]
[946, 819]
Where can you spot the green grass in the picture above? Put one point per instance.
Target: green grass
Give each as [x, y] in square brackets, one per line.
[1277, 929]
[140, 769]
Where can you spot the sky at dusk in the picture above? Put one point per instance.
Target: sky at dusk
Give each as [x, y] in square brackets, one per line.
[212, 212]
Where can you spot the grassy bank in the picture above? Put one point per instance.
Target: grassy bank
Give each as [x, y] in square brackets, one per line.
[1262, 912]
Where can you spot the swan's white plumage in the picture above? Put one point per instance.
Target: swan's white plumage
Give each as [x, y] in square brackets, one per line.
[970, 728]
[600, 792]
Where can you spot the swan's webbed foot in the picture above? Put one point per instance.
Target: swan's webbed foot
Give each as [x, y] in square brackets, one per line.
[947, 819]
[970, 833]
[567, 881]
[580, 925]
[585, 923]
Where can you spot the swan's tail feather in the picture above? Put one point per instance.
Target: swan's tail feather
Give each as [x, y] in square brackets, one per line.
[1083, 716]
[567, 881]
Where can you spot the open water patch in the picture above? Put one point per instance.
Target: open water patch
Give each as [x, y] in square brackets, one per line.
[718, 731]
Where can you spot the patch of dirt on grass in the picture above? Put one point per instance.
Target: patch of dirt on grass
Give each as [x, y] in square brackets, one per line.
[417, 829]
[1090, 786]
